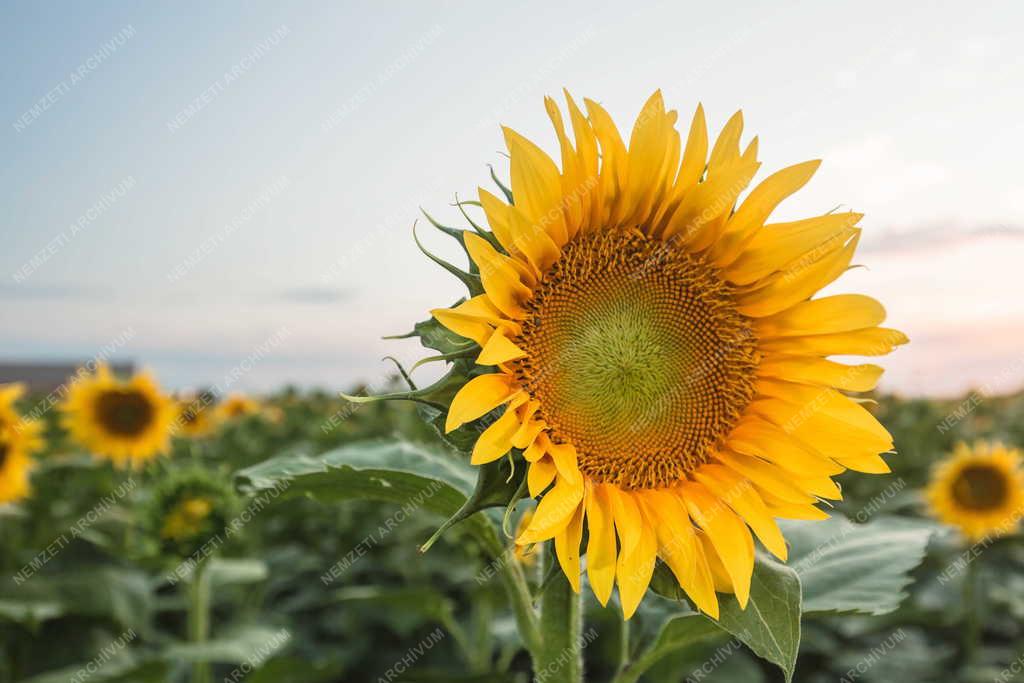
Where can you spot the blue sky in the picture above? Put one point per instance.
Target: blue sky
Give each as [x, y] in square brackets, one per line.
[235, 170]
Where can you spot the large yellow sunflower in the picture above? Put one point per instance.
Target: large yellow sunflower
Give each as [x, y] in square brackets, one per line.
[19, 438]
[658, 355]
[125, 420]
[979, 489]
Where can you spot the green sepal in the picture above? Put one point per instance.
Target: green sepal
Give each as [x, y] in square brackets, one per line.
[471, 280]
[507, 192]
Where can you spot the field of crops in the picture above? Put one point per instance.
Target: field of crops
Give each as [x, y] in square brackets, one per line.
[312, 570]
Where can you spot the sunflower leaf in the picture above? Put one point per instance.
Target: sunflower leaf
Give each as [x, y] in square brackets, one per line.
[415, 477]
[848, 567]
[770, 624]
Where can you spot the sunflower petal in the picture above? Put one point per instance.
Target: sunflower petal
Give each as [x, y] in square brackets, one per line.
[740, 495]
[601, 552]
[727, 533]
[500, 279]
[477, 397]
[567, 548]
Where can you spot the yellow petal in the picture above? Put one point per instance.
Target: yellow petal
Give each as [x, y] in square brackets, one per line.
[720, 575]
[758, 438]
[779, 245]
[756, 208]
[766, 476]
[564, 457]
[464, 325]
[727, 147]
[540, 475]
[874, 341]
[572, 183]
[538, 448]
[614, 167]
[567, 548]
[628, 521]
[498, 349]
[740, 495]
[533, 240]
[798, 283]
[821, 372]
[819, 431]
[496, 440]
[696, 153]
[827, 402]
[536, 185]
[697, 219]
[553, 512]
[785, 510]
[479, 396]
[727, 533]
[601, 553]
[586, 149]
[500, 279]
[634, 569]
[828, 315]
[869, 464]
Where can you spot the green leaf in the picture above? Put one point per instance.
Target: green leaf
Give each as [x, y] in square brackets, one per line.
[118, 670]
[226, 571]
[252, 644]
[121, 594]
[847, 567]
[392, 471]
[770, 624]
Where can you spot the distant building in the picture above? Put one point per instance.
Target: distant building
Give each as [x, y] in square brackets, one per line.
[42, 378]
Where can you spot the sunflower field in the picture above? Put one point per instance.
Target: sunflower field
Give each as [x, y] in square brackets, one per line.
[637, 462]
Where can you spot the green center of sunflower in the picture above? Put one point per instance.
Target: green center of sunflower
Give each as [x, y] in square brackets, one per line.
[979, 487]
[637, 356]
[124, 412]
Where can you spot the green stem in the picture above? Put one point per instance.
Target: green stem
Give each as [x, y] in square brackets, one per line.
[561, 626]
[522, 602]
[199, 619]
[972, 612]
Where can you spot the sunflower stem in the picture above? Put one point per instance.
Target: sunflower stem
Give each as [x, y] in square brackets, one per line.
[561, 626]
[199, 619]
[972, 612]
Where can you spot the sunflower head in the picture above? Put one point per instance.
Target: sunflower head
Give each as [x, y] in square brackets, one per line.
[188, 509]
[19, 438]
[651, 346]
[196, 416]
[236, 406]
[125, 420]
[979, 489]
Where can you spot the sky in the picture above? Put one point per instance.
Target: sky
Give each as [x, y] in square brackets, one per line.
[207, 187]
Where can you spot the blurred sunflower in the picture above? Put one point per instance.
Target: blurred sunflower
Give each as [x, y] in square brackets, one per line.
[237, 405]
[979, 489]
[19, 438]
[657, 353]
[125, 420]
[188, 508]
[196, 416]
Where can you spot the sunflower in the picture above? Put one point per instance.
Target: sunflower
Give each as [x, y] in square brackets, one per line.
[654, 352]
[237, 405]
[196, 416]
[19, 438]
[979, 489]
[127, 421]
